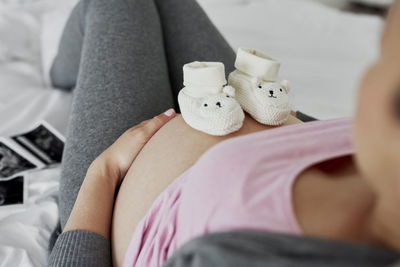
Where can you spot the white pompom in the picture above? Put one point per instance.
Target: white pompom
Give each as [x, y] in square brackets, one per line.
[286, 85]
[229, 90]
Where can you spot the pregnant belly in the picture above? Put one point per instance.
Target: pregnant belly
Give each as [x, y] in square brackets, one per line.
[171, 151]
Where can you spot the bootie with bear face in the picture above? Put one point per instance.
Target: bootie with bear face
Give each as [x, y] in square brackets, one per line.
[257, 90]
[206, 104]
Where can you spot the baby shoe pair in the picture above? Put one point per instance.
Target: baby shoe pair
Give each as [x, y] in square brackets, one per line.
[210, 106]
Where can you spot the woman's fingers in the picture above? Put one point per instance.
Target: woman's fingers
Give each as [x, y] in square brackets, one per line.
[120, 155]
[132, 142]
[157, 122]
[145, 130]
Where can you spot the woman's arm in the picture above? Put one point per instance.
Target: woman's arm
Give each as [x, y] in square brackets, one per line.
[93, 207]
[87, 232]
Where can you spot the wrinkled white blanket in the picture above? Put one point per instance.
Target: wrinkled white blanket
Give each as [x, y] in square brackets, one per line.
[25, 230]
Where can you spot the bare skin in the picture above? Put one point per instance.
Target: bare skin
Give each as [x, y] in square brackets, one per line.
[171, 151]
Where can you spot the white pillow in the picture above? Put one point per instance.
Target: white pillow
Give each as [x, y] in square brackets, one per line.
[19, 33]
[53, 23]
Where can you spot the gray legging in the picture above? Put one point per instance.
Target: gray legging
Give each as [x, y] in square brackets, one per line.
[124, 60]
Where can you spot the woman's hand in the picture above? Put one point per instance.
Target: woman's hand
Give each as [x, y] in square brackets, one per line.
[93, 207]
[120, 155]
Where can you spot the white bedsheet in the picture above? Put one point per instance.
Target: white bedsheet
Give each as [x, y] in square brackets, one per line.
[323, 53]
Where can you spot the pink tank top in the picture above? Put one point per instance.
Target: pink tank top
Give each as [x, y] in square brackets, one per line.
[241, 183]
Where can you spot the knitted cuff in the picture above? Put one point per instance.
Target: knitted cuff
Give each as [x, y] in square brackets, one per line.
[257, 64]
[81, 248]
[208, 76]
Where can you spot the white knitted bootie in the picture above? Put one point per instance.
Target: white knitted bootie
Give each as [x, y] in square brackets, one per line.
[257, 90]
[206, 105]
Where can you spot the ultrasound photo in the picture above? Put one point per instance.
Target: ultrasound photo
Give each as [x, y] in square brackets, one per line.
[11, 162]
[12, 191]
[43, 143]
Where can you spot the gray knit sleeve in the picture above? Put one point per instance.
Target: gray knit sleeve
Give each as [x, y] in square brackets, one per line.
[81, 248]
[261, 249]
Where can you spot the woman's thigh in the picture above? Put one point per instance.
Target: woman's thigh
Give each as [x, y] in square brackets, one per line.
[116, 86]
[170, 152]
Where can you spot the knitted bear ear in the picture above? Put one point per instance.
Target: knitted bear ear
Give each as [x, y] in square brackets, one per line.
[286, 85]
[255, 81]
[229, 90]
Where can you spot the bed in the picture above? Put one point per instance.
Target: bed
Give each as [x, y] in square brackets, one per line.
[323, 52]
